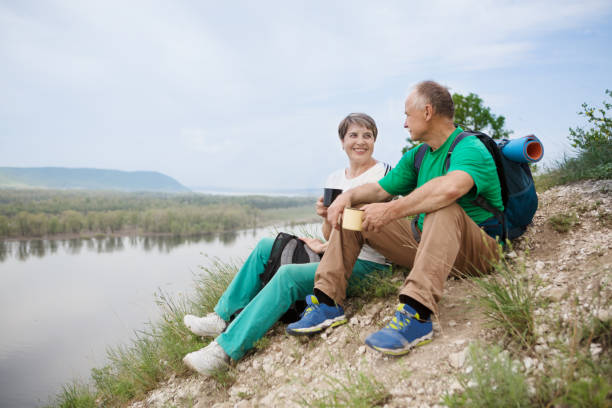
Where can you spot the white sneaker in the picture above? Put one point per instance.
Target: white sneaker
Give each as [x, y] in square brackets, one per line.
[210, 325]
[207, 360]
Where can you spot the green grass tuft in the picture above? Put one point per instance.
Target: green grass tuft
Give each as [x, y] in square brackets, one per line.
[356, 390]
[75, 395]
[494, 381]
[563, 222]
[508, 302]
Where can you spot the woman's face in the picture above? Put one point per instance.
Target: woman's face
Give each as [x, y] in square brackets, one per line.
[358, 143]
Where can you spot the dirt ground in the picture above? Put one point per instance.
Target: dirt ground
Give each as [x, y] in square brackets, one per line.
[289, 371]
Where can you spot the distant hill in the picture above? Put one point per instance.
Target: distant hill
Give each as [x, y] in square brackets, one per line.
[88, 179]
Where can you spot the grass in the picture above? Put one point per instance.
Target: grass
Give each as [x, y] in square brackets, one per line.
[563, 222]
[156, 353]
[508, 301]
[355, 390]
[75, 395]
[493, 380]
[593, 163]
[376, 285]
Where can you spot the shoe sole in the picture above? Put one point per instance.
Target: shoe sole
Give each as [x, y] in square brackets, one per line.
[340, 320]
[406, 349]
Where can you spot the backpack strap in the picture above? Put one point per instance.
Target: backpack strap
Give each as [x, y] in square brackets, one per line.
[480, 201]
[418, 157]
[387, 168]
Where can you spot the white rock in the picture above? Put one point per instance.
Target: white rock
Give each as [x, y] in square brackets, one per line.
[595, 349]
[242, 404]
[268, 367]
[528, 362]
[324, 335]
[457, 360]
[354, 321]
[511, 255]
[604, 315]
[557, 293]
[452, 323]
[539, 266]
[361, 350]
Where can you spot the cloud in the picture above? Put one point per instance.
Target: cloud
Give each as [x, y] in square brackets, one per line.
[255, 80]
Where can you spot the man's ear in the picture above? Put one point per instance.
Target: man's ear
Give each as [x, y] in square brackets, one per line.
[428, 111]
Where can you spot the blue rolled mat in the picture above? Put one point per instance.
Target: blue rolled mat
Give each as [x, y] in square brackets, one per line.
[527, 149]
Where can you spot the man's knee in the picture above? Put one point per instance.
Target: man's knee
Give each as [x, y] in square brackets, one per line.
[450, 213]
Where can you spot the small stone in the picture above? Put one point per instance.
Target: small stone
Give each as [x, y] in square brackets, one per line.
[604, 315]
[528, 362]
[557, 293]
[452, 323]
[595, 349]
[511, 255]
[256, 364]
[324, 335]
[268, 367]
[354, 321]
[361, 350]
[539, 266]
[457, 360]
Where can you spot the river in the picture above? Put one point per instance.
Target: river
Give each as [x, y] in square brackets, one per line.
[64, 302]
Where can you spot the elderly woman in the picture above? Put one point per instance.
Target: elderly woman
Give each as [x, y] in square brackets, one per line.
[263, 306]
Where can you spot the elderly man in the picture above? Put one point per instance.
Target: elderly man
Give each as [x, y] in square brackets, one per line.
[448, 236]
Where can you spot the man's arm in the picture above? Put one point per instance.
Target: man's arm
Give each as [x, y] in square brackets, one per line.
[437, 193]
[366, 193]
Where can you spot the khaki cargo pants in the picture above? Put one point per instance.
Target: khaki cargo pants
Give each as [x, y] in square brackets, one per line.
[450, 243]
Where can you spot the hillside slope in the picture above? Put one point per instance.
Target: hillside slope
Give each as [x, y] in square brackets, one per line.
[88, 179]
[569, 273]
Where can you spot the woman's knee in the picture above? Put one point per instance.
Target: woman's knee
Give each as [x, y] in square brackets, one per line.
[293, 274]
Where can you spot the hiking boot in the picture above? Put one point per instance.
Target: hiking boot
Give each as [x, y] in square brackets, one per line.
[317, 317]
[208, 359]
[403, 332]
[210, 325]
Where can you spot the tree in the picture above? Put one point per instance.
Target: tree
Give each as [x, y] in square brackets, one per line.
[600, 132]
[470, 113]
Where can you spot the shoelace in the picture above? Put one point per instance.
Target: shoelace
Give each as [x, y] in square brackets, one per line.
[310, 308]
[404, 319]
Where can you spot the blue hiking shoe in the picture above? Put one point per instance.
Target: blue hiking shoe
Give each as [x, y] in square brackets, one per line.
[316, 318]
[402, 333]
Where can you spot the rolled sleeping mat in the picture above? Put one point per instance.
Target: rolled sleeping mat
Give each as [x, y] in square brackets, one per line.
[527, 149]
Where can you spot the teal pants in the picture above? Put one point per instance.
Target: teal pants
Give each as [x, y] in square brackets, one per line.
[262, 307]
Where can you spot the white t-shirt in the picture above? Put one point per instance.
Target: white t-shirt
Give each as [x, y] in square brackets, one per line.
[338, 180]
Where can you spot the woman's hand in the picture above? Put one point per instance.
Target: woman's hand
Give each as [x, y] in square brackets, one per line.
[320, 208]
[316, 245]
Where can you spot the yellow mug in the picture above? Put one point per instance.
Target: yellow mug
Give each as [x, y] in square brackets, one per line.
[351, 219]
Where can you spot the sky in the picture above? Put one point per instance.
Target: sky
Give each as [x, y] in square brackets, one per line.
[248, 94]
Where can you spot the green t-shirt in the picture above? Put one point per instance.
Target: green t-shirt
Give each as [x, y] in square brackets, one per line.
[469, 155]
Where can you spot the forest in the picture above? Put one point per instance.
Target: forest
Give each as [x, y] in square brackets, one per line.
[43, 213]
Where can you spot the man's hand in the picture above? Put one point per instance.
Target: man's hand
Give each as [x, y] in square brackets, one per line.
[320, 208]
[376, 216]
[337, 208]
[314, 244]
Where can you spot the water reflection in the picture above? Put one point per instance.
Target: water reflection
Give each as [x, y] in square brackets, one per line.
[24, 250]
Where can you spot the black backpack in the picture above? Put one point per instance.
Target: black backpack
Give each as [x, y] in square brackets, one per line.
[288, 249]
[517, 187]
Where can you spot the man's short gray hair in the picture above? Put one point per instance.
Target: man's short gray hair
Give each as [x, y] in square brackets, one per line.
[438, 96]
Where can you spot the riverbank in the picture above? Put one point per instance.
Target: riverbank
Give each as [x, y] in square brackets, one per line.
[46, 214]
[557, 353]
[291, 216]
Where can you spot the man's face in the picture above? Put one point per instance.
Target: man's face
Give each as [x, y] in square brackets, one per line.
[415, 119]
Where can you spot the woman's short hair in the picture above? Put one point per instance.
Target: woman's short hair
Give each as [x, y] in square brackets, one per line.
[357, 119]
[437, 95]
